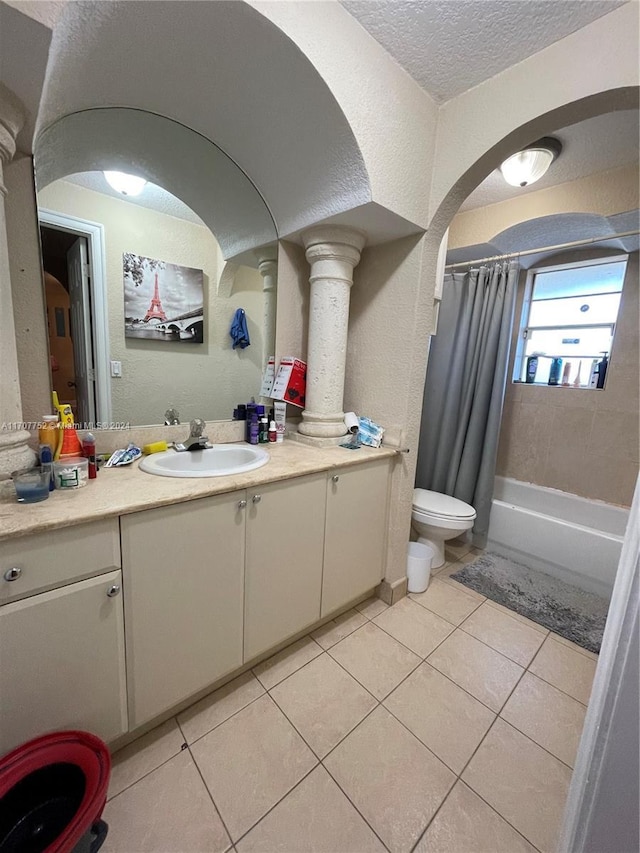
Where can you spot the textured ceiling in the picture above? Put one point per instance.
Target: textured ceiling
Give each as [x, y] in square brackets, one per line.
[606, 142]
[544, 232]
[449, 46]
[152, 196]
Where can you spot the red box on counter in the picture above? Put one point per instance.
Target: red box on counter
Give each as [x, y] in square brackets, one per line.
[291, 382]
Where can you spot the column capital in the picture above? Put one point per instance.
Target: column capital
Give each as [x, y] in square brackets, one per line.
[12, 116]
[333, 243]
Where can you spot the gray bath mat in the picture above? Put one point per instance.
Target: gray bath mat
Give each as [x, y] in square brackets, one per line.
[577, 615]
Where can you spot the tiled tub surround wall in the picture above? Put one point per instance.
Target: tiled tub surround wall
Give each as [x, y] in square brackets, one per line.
[579, 440]
[387, 729]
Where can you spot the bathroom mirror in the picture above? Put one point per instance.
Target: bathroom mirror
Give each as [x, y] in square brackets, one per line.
[143, 291]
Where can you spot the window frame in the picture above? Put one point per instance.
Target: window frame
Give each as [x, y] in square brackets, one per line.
[524, 328]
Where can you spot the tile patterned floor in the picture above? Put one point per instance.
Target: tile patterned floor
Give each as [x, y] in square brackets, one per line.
[445, 724]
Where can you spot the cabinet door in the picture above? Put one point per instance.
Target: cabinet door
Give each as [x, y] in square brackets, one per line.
[285, 532]
[62, 662]
[355, 535]
[183, 580]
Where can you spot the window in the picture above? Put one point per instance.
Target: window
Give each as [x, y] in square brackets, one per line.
[569, 313]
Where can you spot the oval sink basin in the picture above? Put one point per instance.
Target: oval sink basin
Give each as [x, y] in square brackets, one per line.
[217, 461]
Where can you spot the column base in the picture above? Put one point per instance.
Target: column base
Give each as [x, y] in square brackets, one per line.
[316, 441]
[323, 426]
[15, 455]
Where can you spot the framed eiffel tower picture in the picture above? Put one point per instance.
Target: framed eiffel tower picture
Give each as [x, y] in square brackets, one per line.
[162, 301]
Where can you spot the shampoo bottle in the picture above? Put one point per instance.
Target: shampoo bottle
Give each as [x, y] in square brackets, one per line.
[89, 450]
[254, 429]
[555, 372]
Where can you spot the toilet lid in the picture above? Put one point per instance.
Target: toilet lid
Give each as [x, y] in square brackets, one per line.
[443, 506]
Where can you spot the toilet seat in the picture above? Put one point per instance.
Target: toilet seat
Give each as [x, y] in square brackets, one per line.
[441, 507]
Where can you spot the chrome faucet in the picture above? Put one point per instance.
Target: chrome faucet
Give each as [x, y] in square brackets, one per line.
[196, 440]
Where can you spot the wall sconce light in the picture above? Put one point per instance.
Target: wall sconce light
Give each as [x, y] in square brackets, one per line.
[125, 184]
[529, 165]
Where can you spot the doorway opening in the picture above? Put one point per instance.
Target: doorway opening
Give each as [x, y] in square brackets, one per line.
[72, 262]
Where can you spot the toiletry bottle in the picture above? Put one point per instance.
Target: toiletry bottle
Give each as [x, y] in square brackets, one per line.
[251, 411]
[46, 462]
[602, 371]
[532, 366]
[565, 373]
[89, 450]
[48, 432]
[273, 434]
[593, 375]
[554, 373]
[264, 430]
[254, 429]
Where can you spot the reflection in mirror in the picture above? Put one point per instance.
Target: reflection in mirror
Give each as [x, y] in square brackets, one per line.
[144, 313]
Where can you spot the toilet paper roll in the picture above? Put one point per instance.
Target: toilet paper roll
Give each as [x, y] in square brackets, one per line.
[351, 422]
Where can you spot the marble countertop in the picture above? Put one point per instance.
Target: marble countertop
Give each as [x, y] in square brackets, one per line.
[118, 491]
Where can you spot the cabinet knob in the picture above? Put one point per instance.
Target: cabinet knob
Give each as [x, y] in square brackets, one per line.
[113, 590]
[12, 574]
[335, 478]
[256, 499]
[242, 504]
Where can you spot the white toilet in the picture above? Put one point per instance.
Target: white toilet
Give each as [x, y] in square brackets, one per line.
[437, 518]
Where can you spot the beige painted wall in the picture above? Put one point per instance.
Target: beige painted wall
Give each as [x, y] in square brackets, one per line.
[200, 380]
[579, 440]
[605, 193]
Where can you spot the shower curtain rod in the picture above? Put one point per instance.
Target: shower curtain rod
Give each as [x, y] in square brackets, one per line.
[571, 245]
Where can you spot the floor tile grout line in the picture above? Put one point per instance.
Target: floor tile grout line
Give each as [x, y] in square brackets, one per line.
[386, 847]
[528, 737]
[380, 701]
[469, 634]
[444, 675]
[428, 748]
[307, 636]
[218, 812]
[559, 689]
[535, 626]
[148, 773]
[222, 722]
[413, 652]
[477, 793]
[271, 808]
[486, 645]
[435, 612]
[315, 754]
[333, 748]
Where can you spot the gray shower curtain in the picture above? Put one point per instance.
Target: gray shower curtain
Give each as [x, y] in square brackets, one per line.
[464, 391]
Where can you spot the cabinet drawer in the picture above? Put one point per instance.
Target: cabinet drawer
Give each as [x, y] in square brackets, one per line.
[47, 560]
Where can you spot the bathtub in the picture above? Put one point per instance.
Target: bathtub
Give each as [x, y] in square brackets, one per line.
[576, 539]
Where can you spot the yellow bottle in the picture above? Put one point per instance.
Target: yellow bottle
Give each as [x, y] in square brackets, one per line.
[68, 441]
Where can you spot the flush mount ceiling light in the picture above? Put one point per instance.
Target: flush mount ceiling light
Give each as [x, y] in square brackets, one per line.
[125, 184]
[529, 165]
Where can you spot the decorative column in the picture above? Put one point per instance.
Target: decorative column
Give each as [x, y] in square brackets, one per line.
[14, 450]
[332, 251]
[268, 268]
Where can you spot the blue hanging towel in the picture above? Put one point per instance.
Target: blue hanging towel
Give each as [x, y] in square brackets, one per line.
[239, 331]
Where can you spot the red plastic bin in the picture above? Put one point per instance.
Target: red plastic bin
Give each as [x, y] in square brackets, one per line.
[53, 790]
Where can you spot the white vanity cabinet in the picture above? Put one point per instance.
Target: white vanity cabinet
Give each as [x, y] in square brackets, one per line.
[355, 533]
[183, 569]
[283, 573]
[62, 651]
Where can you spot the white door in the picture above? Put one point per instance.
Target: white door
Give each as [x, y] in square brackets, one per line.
[62, 662]
[79, 295]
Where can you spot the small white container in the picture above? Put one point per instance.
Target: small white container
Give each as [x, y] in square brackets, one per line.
[71, 473]
[419, 559]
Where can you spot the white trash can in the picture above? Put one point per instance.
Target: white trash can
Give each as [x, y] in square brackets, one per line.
[419, 559]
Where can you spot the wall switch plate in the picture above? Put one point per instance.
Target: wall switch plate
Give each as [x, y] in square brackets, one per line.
[116, 369]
